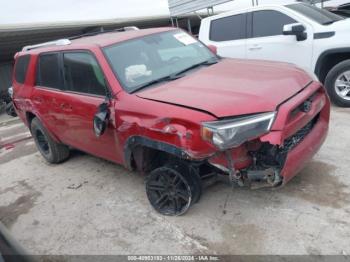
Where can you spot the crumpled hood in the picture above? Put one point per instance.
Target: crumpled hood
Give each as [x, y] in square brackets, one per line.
[233, 87]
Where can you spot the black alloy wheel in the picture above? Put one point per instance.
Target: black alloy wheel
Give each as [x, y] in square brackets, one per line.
[170, 190]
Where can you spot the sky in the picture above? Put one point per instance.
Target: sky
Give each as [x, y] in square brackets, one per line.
[38, 11]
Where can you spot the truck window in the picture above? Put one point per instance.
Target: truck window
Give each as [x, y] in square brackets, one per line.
[49, 74]
[21, 68]
[83, 74]
[228, 28]
[269, 23]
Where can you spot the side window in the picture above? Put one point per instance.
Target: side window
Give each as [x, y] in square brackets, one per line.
[83, 74]
[49, 73]
[228, 28]
[269, 23]
[21, 68]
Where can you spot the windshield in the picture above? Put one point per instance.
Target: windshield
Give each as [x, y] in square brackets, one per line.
[318, 15]
[148, 59]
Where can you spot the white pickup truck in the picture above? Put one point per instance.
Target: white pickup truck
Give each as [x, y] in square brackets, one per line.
[298, 33]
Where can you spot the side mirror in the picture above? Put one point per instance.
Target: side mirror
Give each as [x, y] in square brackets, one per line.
[296, 29]
[101, 119]
[213, 48]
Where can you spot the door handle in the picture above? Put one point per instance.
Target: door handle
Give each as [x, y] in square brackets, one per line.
[255, 47]
[66, 107]
[38, 100]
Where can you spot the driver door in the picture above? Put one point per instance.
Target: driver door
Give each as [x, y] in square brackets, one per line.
[85, 90]
[269, 43]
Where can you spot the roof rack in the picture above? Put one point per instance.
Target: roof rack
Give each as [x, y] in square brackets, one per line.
[102, 31]
[68, 42]
[51, 43]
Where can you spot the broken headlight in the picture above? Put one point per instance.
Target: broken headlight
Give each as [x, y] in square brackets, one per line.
[230, 133]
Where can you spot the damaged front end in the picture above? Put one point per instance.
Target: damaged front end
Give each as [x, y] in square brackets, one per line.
[272, 159]
[258, 164]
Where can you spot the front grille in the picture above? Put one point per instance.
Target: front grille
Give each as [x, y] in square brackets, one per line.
[295, 139]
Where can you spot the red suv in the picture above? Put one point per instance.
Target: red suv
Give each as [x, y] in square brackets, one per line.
[160, 102]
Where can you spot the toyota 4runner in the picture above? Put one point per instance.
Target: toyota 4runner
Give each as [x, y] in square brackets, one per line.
[160, 102]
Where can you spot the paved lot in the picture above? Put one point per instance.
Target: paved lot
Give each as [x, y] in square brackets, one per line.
[90, 206]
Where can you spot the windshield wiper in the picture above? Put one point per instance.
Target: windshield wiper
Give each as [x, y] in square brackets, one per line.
[155, 81]
[174, 75]
[207, 62]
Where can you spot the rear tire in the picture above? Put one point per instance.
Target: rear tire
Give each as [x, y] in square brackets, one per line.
[171, 189]
[52, 151]
[338, 81]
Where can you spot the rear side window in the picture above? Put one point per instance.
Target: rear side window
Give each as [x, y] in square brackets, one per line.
[83, 74]
[49, 73]
[269, 23]
[228, 28]
[21, 68]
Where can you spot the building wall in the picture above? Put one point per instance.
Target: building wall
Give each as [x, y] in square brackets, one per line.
[5, 76]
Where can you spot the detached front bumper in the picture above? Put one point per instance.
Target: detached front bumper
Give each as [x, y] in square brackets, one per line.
[308, 111]
[305, 150]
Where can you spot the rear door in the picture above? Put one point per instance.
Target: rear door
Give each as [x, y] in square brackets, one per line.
[229, 34]
[267, 41]
[47, 93]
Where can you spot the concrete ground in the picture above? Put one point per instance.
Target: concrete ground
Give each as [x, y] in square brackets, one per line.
[90, 206]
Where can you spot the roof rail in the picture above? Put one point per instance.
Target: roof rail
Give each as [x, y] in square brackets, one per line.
[102, 31]
[51, 43]
[130, 28]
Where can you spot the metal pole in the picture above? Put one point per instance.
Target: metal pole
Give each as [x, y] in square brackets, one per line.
[189, 27]
[210, 10]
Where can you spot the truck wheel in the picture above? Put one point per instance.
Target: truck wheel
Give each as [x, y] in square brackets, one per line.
[338, 84]
[170, 189]
[53, 152]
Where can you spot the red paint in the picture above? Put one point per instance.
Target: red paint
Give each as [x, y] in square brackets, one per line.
[213, 48]
[9, 146]
[233, 87]
[173, 112]
[303, 153]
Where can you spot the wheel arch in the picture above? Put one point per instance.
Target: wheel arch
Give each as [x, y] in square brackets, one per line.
[29, 118]
[136, 145]
[328, 59]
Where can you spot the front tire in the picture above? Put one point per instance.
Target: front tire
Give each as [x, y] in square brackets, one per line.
[171, 190]
[337, 84]
[52, 151]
